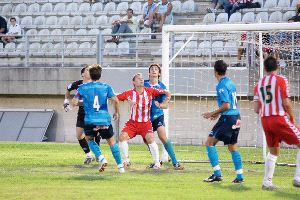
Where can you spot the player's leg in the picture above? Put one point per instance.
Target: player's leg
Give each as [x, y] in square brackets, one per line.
[123, 138]
[108, 134]
[237, 161]
[149, 137]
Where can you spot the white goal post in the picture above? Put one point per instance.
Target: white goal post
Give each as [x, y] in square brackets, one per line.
[168, 56]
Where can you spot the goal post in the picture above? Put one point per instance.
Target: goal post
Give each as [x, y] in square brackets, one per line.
[178, 61]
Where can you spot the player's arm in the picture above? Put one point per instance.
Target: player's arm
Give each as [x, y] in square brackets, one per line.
[256, 104]
[214, 114]
[116, 106]
[286, 101]
[287, 105]
[77, 100]
[68, 96]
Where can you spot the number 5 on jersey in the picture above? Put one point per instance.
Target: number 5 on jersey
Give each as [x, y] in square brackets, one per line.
[96, 104]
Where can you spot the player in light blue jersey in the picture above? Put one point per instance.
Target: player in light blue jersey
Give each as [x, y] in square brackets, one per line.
[228, 126]
[157, 114]
[97, 119]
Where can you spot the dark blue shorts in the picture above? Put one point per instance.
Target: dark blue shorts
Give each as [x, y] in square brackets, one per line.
[160, 121]
[89, 130]
[227, 129]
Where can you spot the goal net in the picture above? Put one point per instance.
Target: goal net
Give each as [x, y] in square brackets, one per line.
[188, 55]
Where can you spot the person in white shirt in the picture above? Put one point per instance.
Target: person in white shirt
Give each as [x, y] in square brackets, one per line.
[128, 24]
[13, 32]
[163, 13]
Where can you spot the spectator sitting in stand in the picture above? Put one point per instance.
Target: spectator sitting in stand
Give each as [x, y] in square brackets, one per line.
[237, 5]
[128, 24]
[213, 6]
[14, 32]
[148, 12]
[3, 27]
[163, 13]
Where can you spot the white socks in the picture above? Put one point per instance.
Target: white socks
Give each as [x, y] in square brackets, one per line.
[154, 152]
[297, 174]
[124, 150]
[269, 169]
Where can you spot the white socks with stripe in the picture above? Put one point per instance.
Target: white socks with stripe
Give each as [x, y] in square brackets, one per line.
[297, 174]
[124, 149]
[269, 169]
[154, 152]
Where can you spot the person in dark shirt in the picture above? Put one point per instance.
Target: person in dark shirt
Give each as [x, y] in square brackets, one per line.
[3, 27]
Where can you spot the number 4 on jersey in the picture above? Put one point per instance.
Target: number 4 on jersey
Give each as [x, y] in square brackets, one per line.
[96, 104]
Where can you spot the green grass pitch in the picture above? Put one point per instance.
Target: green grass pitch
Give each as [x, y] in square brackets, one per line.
[55, 171]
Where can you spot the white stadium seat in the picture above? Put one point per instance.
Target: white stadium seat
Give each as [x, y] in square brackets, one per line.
[288, 15]
[89, 20]
[222, 18]
[248, 17]
[122, 7]
[20, 47]
[190, 48]
[33, 8]
[188, 6]
[176, 6]
[47, 47]
[263, 16]
[47, 7]
[123, 48]
[10, 47]
[34, 47]
[136, 7]
[231, 47]
[235, 18]
[60, 7]
[270, 4]
[31, 32]
[71, 47]
[20, 8]
[76, 20]
[52, 20]
[64, 20]
[110, 7]
[40, 20]
[81, 32]
[97, 7]
[204, 48]
[44, 32]
[57, 48]
[209, 18]
[275, 16]
[56, 32]
[84, 47]
[218, 48]
[145, 30]
[7, 8]
[72, 7]
[177, 46]
[84, 7]
[101, 20]
[68, 33]
[26, 21]
[284, 3]
[110, 48]
[94, 31]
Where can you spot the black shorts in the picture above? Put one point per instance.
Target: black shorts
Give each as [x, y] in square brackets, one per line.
[104, 133]
[160, 121]
[227, 129]
[80, 118]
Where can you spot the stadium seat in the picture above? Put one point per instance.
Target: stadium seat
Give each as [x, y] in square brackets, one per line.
[56, 32]
[270, 4]
[20, 8]
[94, 31]
[101, 20]
[284, 4]
[84, 8]
[188, 6]
[71, 47]
[176, 6]
[235, 18]
[110, 7]
[31, 32]
[110, 48]
[114, 18]
[209, 18]
[145, 30]
[26, 21]
[59, 8]
[122, 7]
[69, 32]
[57, 48]
[47, 47]
[52, 20]
[190, 48]
[218, 48]
[249, 17]
[85, 48]
[275, 17]
[33, 8]
[40, 20]
[263, 16]
[136, 7]
[10, 47]
[177, 46]
[97, 7]
[231, 47]
[222, 18]
[204, 48]
[20, 48]
[81, 32]
[7, 8]
[123, 48]
[288, 15]
[44, 32]
[72, 7]
[89, 20]
[76, 20]
[64, 20]
[47, 7]
[34, 47]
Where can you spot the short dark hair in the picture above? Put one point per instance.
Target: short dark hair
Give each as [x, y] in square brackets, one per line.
[134, 76]
[95, 71]
[129, 9]
[220, 67]
[270, 64]
[12, 18]
[83, 69]
[154, 64]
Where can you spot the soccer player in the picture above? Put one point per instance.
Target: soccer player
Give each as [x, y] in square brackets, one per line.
[228, 126]
[139, 122]
[80, 117]
[97, 119]
[157, 113]
[272, 102]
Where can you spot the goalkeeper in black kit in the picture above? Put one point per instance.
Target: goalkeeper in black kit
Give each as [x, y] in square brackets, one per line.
[80, 118]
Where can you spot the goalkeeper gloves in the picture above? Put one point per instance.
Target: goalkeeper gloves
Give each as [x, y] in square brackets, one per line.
[67, 106]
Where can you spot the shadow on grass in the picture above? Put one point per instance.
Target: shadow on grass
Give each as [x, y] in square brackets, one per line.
[286, 195]
[232, 187]
[93, 177]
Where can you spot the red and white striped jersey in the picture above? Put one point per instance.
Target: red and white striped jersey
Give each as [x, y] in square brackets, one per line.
[141, 112]
[270, 91]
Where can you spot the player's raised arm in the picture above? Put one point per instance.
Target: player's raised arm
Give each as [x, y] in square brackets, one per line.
[77, 100]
